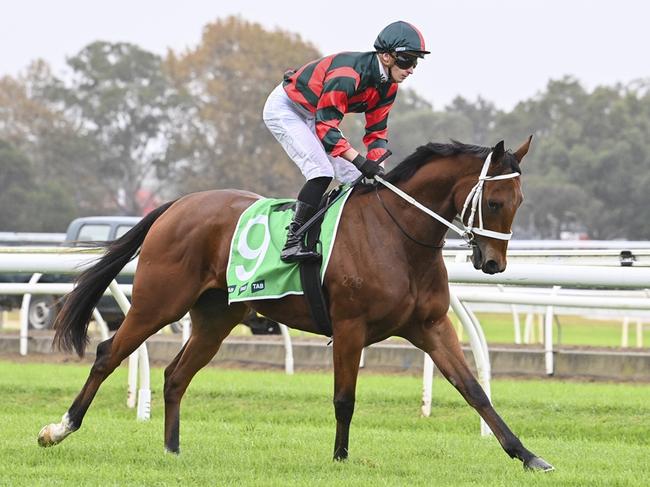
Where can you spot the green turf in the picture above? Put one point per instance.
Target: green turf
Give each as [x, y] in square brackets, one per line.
[572, 331]
[266, 428]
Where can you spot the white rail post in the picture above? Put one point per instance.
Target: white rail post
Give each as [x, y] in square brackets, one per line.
[24, 316]
[288, 349]
[639, 325]
[528, 328]
[143, 412]
[516, 324]
[548, 336]
[101, 324]
[186, 328]
[427, 385]
[141, 359]
[625, 330]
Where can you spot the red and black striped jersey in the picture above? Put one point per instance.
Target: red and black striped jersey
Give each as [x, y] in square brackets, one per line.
[342, 83]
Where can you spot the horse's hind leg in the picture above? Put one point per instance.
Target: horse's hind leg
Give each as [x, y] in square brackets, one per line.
[146, 317]
[440, 341]
[212, 322]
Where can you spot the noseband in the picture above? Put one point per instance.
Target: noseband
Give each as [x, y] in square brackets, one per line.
[473, 202]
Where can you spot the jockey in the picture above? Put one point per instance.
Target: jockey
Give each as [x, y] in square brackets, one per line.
[305, 110]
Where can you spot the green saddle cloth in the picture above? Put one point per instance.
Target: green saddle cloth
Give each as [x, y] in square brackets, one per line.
[255, 270]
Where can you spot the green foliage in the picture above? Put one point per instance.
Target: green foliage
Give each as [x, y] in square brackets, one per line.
[589, 167]
[28, 203]
[229, 75]
[591, 155]
[16, 178]
[58, 153]
[126, 104]
[267, 428]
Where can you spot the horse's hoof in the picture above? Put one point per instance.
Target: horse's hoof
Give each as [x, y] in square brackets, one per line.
[538, 464]
[340, 455]
[55, 433]
[45, 437]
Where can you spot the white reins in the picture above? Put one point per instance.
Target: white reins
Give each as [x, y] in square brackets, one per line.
[473, 198]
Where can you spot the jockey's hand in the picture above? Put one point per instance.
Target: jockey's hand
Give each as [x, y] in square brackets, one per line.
[368, 167]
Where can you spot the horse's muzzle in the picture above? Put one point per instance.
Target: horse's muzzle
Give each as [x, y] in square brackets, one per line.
[489, 266]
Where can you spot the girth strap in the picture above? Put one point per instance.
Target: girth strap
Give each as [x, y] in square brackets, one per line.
[315, 292]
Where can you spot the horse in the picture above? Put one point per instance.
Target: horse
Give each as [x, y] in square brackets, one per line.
[386, 277]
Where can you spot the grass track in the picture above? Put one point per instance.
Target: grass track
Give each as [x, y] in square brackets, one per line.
[265, 428]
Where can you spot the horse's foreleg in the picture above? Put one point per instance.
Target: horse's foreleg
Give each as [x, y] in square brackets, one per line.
[347, 352]
[212, 321]
[440, 341]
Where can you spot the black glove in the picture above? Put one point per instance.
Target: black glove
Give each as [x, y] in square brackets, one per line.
[368, 167]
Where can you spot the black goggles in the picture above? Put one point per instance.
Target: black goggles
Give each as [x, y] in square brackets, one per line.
[405, 61]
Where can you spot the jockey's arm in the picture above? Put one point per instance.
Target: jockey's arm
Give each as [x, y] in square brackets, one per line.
[350, 154]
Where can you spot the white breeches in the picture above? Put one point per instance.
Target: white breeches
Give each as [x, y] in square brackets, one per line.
[295, 128]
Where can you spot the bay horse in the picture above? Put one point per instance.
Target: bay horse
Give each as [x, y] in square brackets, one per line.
[382, 281]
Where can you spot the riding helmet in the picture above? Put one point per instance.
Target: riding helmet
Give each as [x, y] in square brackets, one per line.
[401, 36]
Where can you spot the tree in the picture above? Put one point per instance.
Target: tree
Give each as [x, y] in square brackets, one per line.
[229, 75]
[592, 150]
[126, 106]
[481, 116]
[15, 179]
[39, 154]
[25, 203]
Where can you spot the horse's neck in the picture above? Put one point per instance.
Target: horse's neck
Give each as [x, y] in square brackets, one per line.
[436, 185]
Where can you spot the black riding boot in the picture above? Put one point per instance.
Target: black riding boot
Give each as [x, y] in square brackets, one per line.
[294, 250]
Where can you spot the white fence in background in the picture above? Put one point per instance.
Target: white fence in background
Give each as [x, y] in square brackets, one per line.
[609, 271]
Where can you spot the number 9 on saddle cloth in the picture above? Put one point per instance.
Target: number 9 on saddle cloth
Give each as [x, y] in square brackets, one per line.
[255, 270]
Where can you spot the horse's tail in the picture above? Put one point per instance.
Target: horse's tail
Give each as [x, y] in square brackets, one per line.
[71, 323]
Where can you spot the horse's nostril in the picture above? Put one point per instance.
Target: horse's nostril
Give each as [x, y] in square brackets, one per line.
[491, 267]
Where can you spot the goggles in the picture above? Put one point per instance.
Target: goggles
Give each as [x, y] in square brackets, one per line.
[405, 61]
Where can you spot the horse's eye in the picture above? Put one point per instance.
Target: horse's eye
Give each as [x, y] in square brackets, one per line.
[494, 205]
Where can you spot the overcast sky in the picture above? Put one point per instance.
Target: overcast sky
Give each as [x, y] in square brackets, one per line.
[502, 50]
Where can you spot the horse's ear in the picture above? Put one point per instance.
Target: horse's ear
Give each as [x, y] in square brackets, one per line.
[498, 152]
[523, 150]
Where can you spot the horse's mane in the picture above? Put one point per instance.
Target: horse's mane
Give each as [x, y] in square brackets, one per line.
[435, 150]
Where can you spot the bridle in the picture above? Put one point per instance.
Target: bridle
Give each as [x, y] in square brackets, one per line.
[472, 202]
